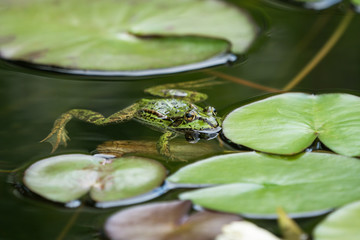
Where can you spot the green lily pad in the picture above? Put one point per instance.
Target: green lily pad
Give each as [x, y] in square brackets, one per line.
[344, 223]
[288, 123]
[356, 4]
[66, 178]
[121, 35]
[257, 184]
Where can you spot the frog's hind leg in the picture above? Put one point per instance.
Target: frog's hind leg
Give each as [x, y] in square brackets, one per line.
[176, 90]
[58, 135]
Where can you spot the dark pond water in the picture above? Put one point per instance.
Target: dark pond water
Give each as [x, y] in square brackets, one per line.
[31, 100]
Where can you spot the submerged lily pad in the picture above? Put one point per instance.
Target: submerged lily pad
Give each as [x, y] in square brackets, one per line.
[344, 223]
[68, 177]
[165, 221]
[121, 35]
[257, 184]
[180, 148]
[288, 123]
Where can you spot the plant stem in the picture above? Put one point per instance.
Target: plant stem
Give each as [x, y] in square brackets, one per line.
[339, 31]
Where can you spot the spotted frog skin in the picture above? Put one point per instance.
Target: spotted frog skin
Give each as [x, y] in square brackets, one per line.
[174, 114]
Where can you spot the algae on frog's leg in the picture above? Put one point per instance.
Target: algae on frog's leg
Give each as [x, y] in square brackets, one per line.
[163, 145]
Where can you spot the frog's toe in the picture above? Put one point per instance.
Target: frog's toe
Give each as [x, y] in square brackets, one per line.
[56, 139]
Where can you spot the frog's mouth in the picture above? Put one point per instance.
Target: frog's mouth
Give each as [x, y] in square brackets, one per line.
[207, 134]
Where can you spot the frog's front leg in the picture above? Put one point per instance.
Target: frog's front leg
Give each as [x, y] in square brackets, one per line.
[163, 145]
[58, 135]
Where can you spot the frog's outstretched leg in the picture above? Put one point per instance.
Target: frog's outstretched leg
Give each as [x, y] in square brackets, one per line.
[163, 145]
[58, 135]
[175, 90]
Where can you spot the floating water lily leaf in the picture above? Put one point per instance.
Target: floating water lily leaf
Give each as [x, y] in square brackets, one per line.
[290, 122]
[121, 35]
[68, 177]
[255, 183]
[165, 221]
[356, 5]
[344, 223]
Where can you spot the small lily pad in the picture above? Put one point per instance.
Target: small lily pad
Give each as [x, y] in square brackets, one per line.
[288, 123]
[121, 35]
[66, 178]
[257, 184]
[165, 221]
[344, 223]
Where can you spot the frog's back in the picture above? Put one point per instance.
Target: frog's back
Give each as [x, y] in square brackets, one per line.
[170, 107]
[161, 112]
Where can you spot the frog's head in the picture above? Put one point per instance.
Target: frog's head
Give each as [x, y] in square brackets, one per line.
[198, 123]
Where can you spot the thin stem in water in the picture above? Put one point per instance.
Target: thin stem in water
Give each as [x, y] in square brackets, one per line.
[242, 81]
[339, 31]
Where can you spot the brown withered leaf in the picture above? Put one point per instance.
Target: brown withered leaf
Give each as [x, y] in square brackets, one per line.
[165, 221]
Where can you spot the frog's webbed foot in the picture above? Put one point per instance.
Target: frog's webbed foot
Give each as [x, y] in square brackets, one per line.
[58, 136]
[175, 90]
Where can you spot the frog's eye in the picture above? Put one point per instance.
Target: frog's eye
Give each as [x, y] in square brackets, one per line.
[210, 110]
[190, 116]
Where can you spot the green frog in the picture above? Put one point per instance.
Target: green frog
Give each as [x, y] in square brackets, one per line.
[173, 114]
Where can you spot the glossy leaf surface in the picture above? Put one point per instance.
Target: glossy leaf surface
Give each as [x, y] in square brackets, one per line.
[254, 183]
[344, 223]
[288, 123]
[68, 177]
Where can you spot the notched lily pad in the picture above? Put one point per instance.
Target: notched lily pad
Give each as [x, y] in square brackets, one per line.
[165, 221]
[66, 178]
[257, 184]
[125, 36]
[288, 123]
[344, 223]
